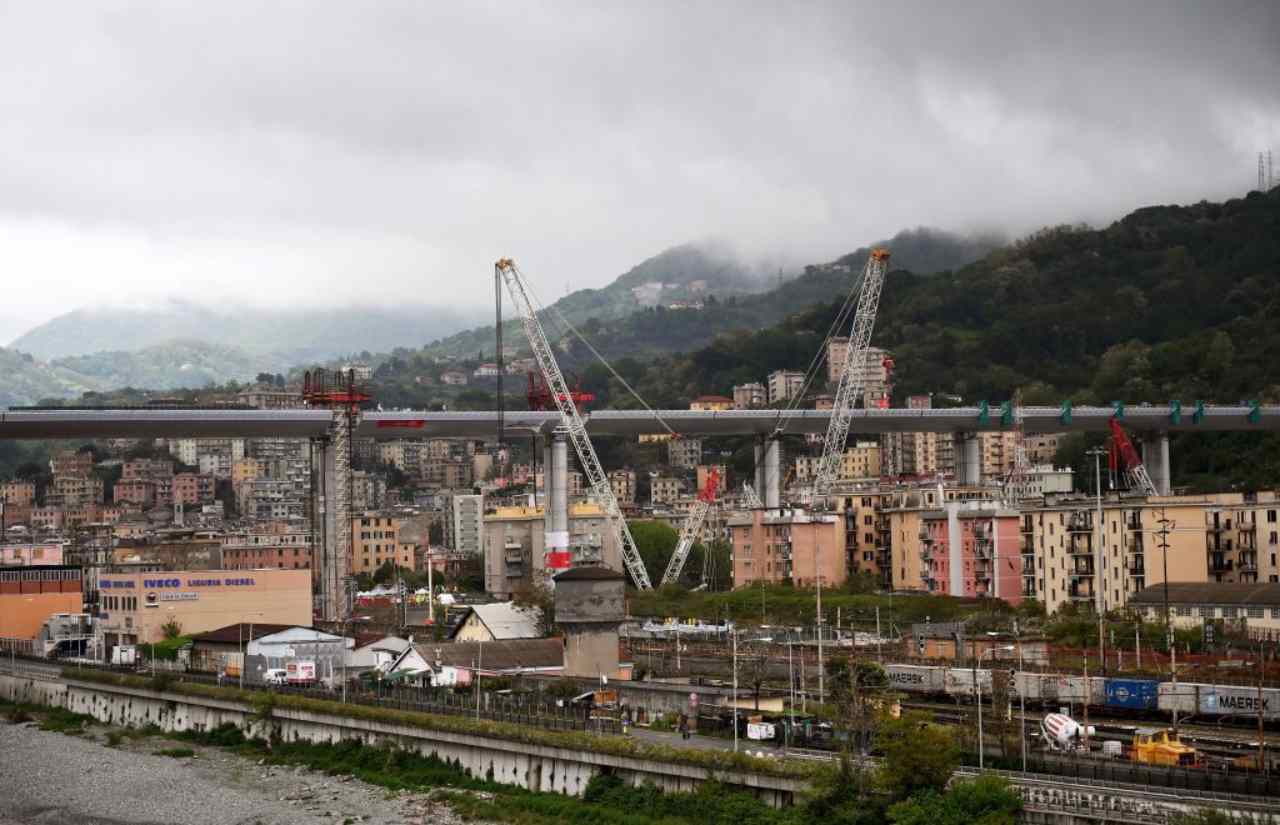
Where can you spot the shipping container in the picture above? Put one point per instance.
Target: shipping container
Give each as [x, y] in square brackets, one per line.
[1133, 694]
[1229, 700]
[915, 678]
[1189, 698]
[959, 681]
[1036, 687]
[1074, 690]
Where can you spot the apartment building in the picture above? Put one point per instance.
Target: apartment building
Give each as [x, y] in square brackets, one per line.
[18, 493]
[873, 372]
[749, 396]
[281, 545]
[464, 524]
[623, 483]
[190, 489]
[779, 545]
[684, 453]
[71, 463]
[711, 403]
[858, 462]
[69, 491]
[515, 545]
[664, 489]
[784, 385]
[375, 540]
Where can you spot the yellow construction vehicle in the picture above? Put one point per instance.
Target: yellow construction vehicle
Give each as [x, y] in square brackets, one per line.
[1162, 747]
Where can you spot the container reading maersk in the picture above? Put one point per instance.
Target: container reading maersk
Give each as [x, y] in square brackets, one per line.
[1138, 694]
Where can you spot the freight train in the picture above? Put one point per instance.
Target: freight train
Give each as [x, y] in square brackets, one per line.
[1131, 696]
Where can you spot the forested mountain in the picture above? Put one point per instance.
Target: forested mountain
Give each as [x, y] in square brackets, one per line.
[171, 365]
[712, 292]
[290, 336]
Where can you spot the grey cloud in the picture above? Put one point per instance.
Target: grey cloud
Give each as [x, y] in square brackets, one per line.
[310, 152]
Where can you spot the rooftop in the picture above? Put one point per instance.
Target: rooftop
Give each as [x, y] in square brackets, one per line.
[1210, 593]
[496, 656]
[241, 631]
[506, 620]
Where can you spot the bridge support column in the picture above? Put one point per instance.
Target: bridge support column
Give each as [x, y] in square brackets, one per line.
[772, 493]
[1155, 456]
[759, 467]
[557, 556]
[968, 458]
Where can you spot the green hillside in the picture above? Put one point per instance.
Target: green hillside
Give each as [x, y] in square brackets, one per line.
[1171, 302]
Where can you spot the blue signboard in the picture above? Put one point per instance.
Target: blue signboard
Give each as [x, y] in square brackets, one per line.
[1139, 694]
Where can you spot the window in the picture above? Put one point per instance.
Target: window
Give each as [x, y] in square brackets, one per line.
[1181, 610]
[1271, 516]
[1229, 612]
[1254, 612]
[1205, 612]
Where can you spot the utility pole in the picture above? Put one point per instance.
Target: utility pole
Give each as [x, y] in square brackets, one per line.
[817, 575]
[1099, 554]
[1086, 701]
[879, 652]
[735, 690]
[1137, 643]
[1167, 524]
[1262, 732]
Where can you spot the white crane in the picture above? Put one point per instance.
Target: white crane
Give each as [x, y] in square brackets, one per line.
[692, 527]
[752, 497]
[571, 418]
[852, 374]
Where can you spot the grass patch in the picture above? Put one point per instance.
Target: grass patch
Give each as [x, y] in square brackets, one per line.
[712, 760]
[176, 753]
[61, 720]
[114, 738]
[167, 649]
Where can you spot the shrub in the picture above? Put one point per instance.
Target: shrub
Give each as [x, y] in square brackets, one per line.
[176, 753]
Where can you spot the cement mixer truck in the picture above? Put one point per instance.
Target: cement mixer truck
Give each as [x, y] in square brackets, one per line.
[1062, 733]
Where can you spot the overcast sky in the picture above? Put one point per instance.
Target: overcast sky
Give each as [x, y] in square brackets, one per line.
[299, 153]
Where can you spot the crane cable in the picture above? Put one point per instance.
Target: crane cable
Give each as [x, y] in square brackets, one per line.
[850, 303]
[552, 309]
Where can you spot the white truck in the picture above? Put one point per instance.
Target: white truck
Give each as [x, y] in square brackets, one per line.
[124, 655]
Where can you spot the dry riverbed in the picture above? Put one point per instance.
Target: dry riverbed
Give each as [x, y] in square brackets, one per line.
[49, 778]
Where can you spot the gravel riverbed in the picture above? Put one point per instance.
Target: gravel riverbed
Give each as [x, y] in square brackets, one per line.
[51, 778]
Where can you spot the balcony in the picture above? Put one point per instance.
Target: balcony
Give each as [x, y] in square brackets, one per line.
[1080, 545]
[1080, 522]
[1133, 521]
[1137, 568]
[1135, 544]
[1081, 570]
[1028, 546]
[1248, 563]
[1220, 565]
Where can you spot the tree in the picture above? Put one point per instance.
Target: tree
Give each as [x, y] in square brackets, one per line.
[754, 661]
[540, 597]
[266, 379]
[918, 755]
[656, 541]
[987, 800]
[858, 691]
[171, 629]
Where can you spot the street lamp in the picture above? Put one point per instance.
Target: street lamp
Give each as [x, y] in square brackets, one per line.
[977, 697]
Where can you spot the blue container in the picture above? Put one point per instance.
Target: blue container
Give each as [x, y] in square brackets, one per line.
[1135, 694]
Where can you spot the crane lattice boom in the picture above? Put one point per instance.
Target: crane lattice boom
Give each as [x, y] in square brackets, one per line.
[692, 526]
[572, 419]
[853, 373]
[753, 498]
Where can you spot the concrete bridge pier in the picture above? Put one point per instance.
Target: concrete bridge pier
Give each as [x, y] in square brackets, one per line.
[968, 459]
[556, 518]
[1155, 457]
[759, 466]
[771, 495]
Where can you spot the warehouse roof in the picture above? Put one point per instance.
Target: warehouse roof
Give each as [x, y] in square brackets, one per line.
[242, 632]
[496, 656]
[1210, 593]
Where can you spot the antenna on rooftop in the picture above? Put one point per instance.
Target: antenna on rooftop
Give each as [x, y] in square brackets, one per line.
[1262, 178]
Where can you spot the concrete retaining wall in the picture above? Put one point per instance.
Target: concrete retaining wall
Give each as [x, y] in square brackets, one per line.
[535, 767]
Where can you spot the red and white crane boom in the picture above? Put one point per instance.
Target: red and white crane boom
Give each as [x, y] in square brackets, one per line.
[692, 527]
[559, 390]
[1133, 466]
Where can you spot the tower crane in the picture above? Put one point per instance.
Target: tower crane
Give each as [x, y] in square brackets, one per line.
[558, 388]
[692, 527]
[1133, 466]
[853, 373]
